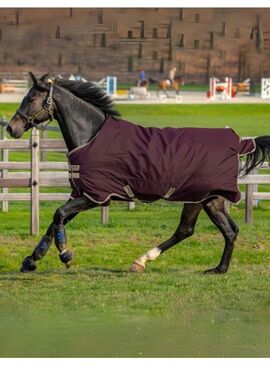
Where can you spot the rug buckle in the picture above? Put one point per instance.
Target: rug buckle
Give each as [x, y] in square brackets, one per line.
[74, 171]
[129, 191]
[169, 193]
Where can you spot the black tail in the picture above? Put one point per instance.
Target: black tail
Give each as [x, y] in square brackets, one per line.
[259, 156]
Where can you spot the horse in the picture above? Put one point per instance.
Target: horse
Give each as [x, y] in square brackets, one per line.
[144, 83]
[165, 84]
[129, 161]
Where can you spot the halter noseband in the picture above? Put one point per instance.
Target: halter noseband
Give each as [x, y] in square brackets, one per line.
[48, 107]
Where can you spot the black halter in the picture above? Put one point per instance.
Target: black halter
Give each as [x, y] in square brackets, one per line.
[48, 107]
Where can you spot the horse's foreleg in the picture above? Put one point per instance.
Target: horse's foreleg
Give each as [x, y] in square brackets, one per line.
[184, 230]
[46, 241]
[165, 92]
[29, 263]
[60, 238]
[217, 213]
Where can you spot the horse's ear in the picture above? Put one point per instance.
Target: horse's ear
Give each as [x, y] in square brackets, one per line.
[44, 77]
[33, 78]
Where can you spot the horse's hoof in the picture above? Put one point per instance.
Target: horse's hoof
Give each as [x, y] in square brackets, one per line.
[215, 271]
[136, 267]
[68, 264]
[66, 257]
[28, 265]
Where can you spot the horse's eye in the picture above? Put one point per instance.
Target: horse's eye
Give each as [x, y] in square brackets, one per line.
[33, 95]
[31, 98]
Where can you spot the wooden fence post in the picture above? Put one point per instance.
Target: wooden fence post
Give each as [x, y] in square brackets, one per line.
[35, 182]
[5, 154]
[249, 203]
[105, 215]
[255, 202]
[43, 152]
[131, 205]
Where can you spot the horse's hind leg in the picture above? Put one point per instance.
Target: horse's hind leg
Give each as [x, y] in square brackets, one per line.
[62, 216]
[217, 213]
[184, 230]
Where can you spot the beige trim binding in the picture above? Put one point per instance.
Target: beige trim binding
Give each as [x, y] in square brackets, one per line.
[254, 145]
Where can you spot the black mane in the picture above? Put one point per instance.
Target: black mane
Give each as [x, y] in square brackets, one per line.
[92, 94]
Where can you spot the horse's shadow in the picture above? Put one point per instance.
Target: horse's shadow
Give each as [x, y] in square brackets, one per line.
[92, 271]
[14, 276]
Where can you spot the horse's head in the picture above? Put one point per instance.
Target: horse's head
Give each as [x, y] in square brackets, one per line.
[36, 107]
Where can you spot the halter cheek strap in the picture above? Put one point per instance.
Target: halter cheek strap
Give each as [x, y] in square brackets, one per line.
[48, 107]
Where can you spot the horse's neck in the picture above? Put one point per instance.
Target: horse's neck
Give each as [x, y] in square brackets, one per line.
[79, 122]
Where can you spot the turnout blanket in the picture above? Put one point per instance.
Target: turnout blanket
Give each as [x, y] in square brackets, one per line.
[126, 161]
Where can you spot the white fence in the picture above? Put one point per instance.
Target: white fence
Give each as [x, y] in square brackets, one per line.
[11, 86]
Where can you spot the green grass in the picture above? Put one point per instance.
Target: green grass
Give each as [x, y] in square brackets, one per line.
[98, 308]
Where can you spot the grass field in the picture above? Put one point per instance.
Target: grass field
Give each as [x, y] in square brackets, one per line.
[99, 309]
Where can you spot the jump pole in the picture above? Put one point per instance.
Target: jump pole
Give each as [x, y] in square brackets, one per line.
[212, 86]
[111, 85]
[228, 81]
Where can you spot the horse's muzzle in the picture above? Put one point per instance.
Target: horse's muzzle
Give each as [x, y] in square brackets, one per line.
[10, 130]
[14, 133]
[16, 127]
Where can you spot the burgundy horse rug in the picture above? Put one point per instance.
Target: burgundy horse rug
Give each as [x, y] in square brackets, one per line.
[126, 161]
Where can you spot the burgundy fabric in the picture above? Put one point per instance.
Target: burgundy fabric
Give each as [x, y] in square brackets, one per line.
[196, 162]
[246, 146]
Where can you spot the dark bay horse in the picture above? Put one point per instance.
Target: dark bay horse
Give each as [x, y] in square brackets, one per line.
[144, 83]
[82, 110]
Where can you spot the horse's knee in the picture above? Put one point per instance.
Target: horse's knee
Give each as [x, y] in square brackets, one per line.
[59, 215]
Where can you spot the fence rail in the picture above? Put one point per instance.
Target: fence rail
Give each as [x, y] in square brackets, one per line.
[8, 86]
[55, 174]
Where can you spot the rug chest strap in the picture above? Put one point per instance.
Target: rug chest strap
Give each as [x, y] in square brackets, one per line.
[74, 171]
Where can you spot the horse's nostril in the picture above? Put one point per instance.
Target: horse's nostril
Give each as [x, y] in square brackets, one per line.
[9, 130]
